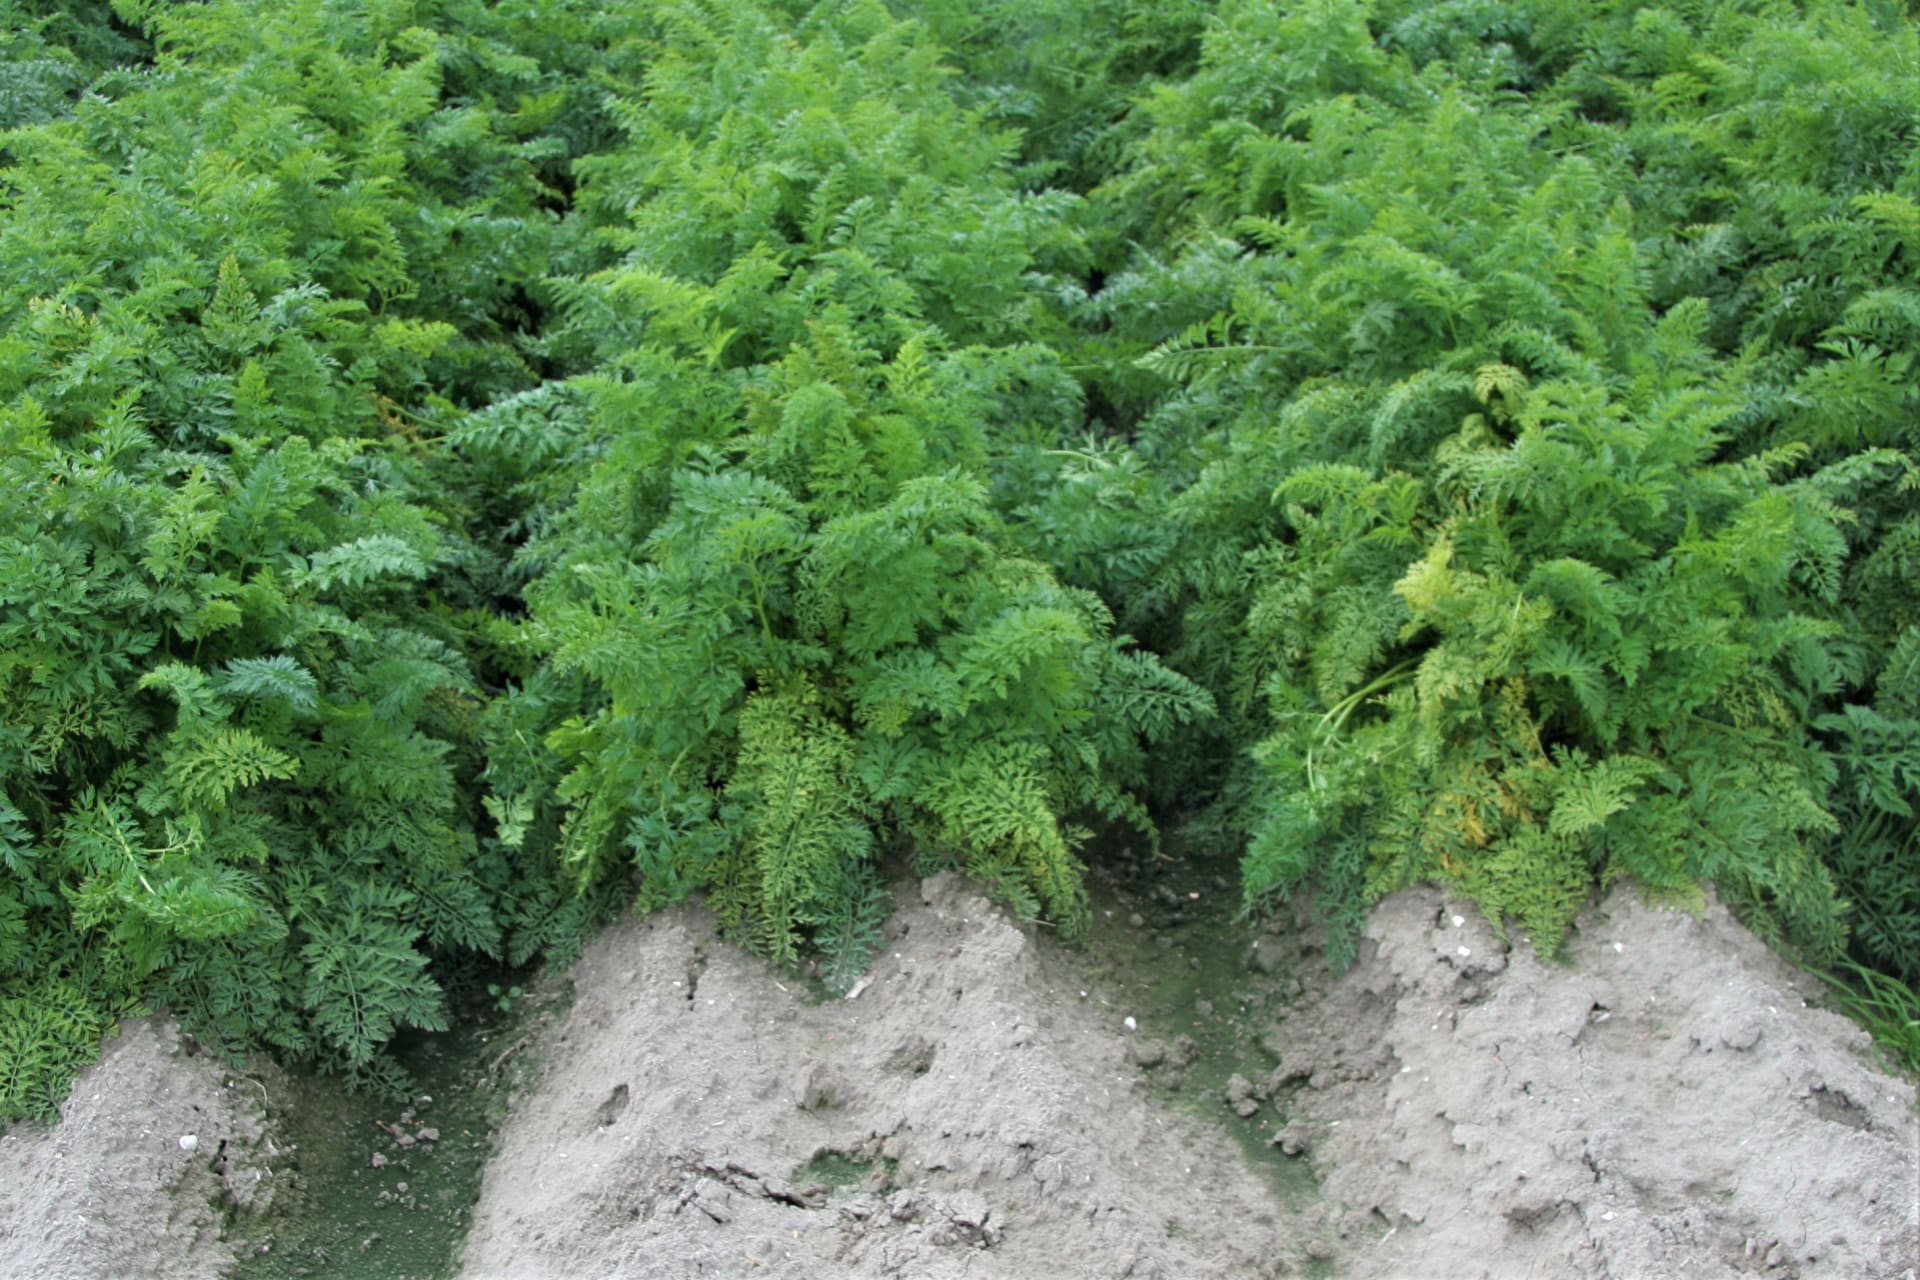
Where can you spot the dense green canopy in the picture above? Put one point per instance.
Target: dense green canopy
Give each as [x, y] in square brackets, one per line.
[467, 465]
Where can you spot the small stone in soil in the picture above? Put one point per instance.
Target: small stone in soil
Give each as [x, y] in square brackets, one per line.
[1268, 956]
[378, 1161]
[1291, 1140]
[968, 1208]
[1183, 1051]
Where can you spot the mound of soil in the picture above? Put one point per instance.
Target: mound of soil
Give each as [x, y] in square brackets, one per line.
[964, 1115]
[157, 1142]
[1661, 1101]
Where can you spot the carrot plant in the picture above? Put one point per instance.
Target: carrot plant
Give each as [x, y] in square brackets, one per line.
[467, 466]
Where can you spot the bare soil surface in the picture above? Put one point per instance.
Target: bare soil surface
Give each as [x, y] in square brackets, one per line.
[157, 1142]
[965, 1115]
[1661, 1101]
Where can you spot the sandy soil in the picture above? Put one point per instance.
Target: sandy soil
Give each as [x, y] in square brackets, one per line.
[983, 1122]
[1661, 1102]
[156, 1143]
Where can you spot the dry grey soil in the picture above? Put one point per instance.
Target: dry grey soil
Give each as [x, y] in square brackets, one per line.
[1660, 1102]
[155, 1141]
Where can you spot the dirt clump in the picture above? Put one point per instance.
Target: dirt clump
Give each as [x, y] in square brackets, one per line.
[1660, 1101]
[157, 1144]
[963, 1116]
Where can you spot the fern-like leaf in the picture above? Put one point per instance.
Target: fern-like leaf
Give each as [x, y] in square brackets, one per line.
[206, 768]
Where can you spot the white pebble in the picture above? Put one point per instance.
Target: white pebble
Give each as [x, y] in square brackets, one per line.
[189, 1141]
[1129, 1023]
